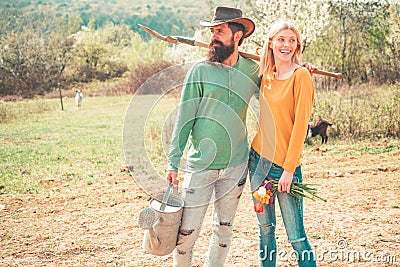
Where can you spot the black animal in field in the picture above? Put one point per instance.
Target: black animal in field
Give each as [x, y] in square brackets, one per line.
[319, 127]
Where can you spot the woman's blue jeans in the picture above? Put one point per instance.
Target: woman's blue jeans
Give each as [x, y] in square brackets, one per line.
[292, 215]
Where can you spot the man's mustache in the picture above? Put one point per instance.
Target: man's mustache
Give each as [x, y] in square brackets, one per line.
[216, 42]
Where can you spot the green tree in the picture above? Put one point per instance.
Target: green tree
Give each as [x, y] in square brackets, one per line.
[144, 53]
[363, 30]
[73, 22]
[310, 17]
[101, 54]
[393, 39]
[92, 24]
[34, 51]
[170, 24]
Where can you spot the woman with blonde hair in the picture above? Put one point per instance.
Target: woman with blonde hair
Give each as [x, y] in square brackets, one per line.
[286, 100]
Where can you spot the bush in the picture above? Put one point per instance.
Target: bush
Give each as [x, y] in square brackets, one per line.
[360, 112]
[143, 72]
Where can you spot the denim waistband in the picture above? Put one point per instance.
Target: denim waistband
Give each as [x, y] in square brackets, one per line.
[273, 170]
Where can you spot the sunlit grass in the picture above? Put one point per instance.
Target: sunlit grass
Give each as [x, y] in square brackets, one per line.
[60, 145]
[39, 142]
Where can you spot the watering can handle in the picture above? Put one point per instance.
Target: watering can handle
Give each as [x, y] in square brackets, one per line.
[166, 197]
[175, 190]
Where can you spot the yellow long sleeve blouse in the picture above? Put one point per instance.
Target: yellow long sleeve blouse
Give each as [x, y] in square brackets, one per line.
[285, 109]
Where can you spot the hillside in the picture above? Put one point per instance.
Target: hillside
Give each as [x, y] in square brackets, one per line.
[172, 16]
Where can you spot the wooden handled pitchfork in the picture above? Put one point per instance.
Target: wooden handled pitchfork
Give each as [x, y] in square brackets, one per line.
[192, 42]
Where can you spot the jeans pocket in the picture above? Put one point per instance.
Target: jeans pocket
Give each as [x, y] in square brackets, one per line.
[253, 161]
[253, 154]
[298, 176]
[256, 170]
[275, 171]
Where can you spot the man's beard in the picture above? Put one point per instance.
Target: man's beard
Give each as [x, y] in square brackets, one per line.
[221, 52]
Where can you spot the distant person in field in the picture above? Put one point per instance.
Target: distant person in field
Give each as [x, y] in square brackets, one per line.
[212, 118]
[286, 101]
[78, 98]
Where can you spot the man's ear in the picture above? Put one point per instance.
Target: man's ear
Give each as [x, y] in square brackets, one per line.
[238, 36]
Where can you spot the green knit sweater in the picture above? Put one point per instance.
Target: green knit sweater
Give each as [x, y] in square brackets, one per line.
[212, 115]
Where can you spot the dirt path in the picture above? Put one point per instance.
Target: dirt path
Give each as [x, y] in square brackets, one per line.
[78, 224]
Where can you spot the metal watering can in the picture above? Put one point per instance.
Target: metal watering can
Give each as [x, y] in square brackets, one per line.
[161, 222]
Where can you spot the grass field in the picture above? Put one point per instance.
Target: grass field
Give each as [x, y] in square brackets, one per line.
[67, 199]
[65, 146]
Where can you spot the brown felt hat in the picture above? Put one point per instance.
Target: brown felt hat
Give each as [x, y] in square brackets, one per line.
[229, 14]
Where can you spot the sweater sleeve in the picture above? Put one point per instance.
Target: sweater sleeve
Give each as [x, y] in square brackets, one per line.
[185, 120]
[304, 99]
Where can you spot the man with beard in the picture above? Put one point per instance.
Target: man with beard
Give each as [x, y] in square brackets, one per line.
[212, 117]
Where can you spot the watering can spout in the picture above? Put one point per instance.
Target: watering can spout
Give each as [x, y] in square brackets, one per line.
[148, 219]
[153, 239]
